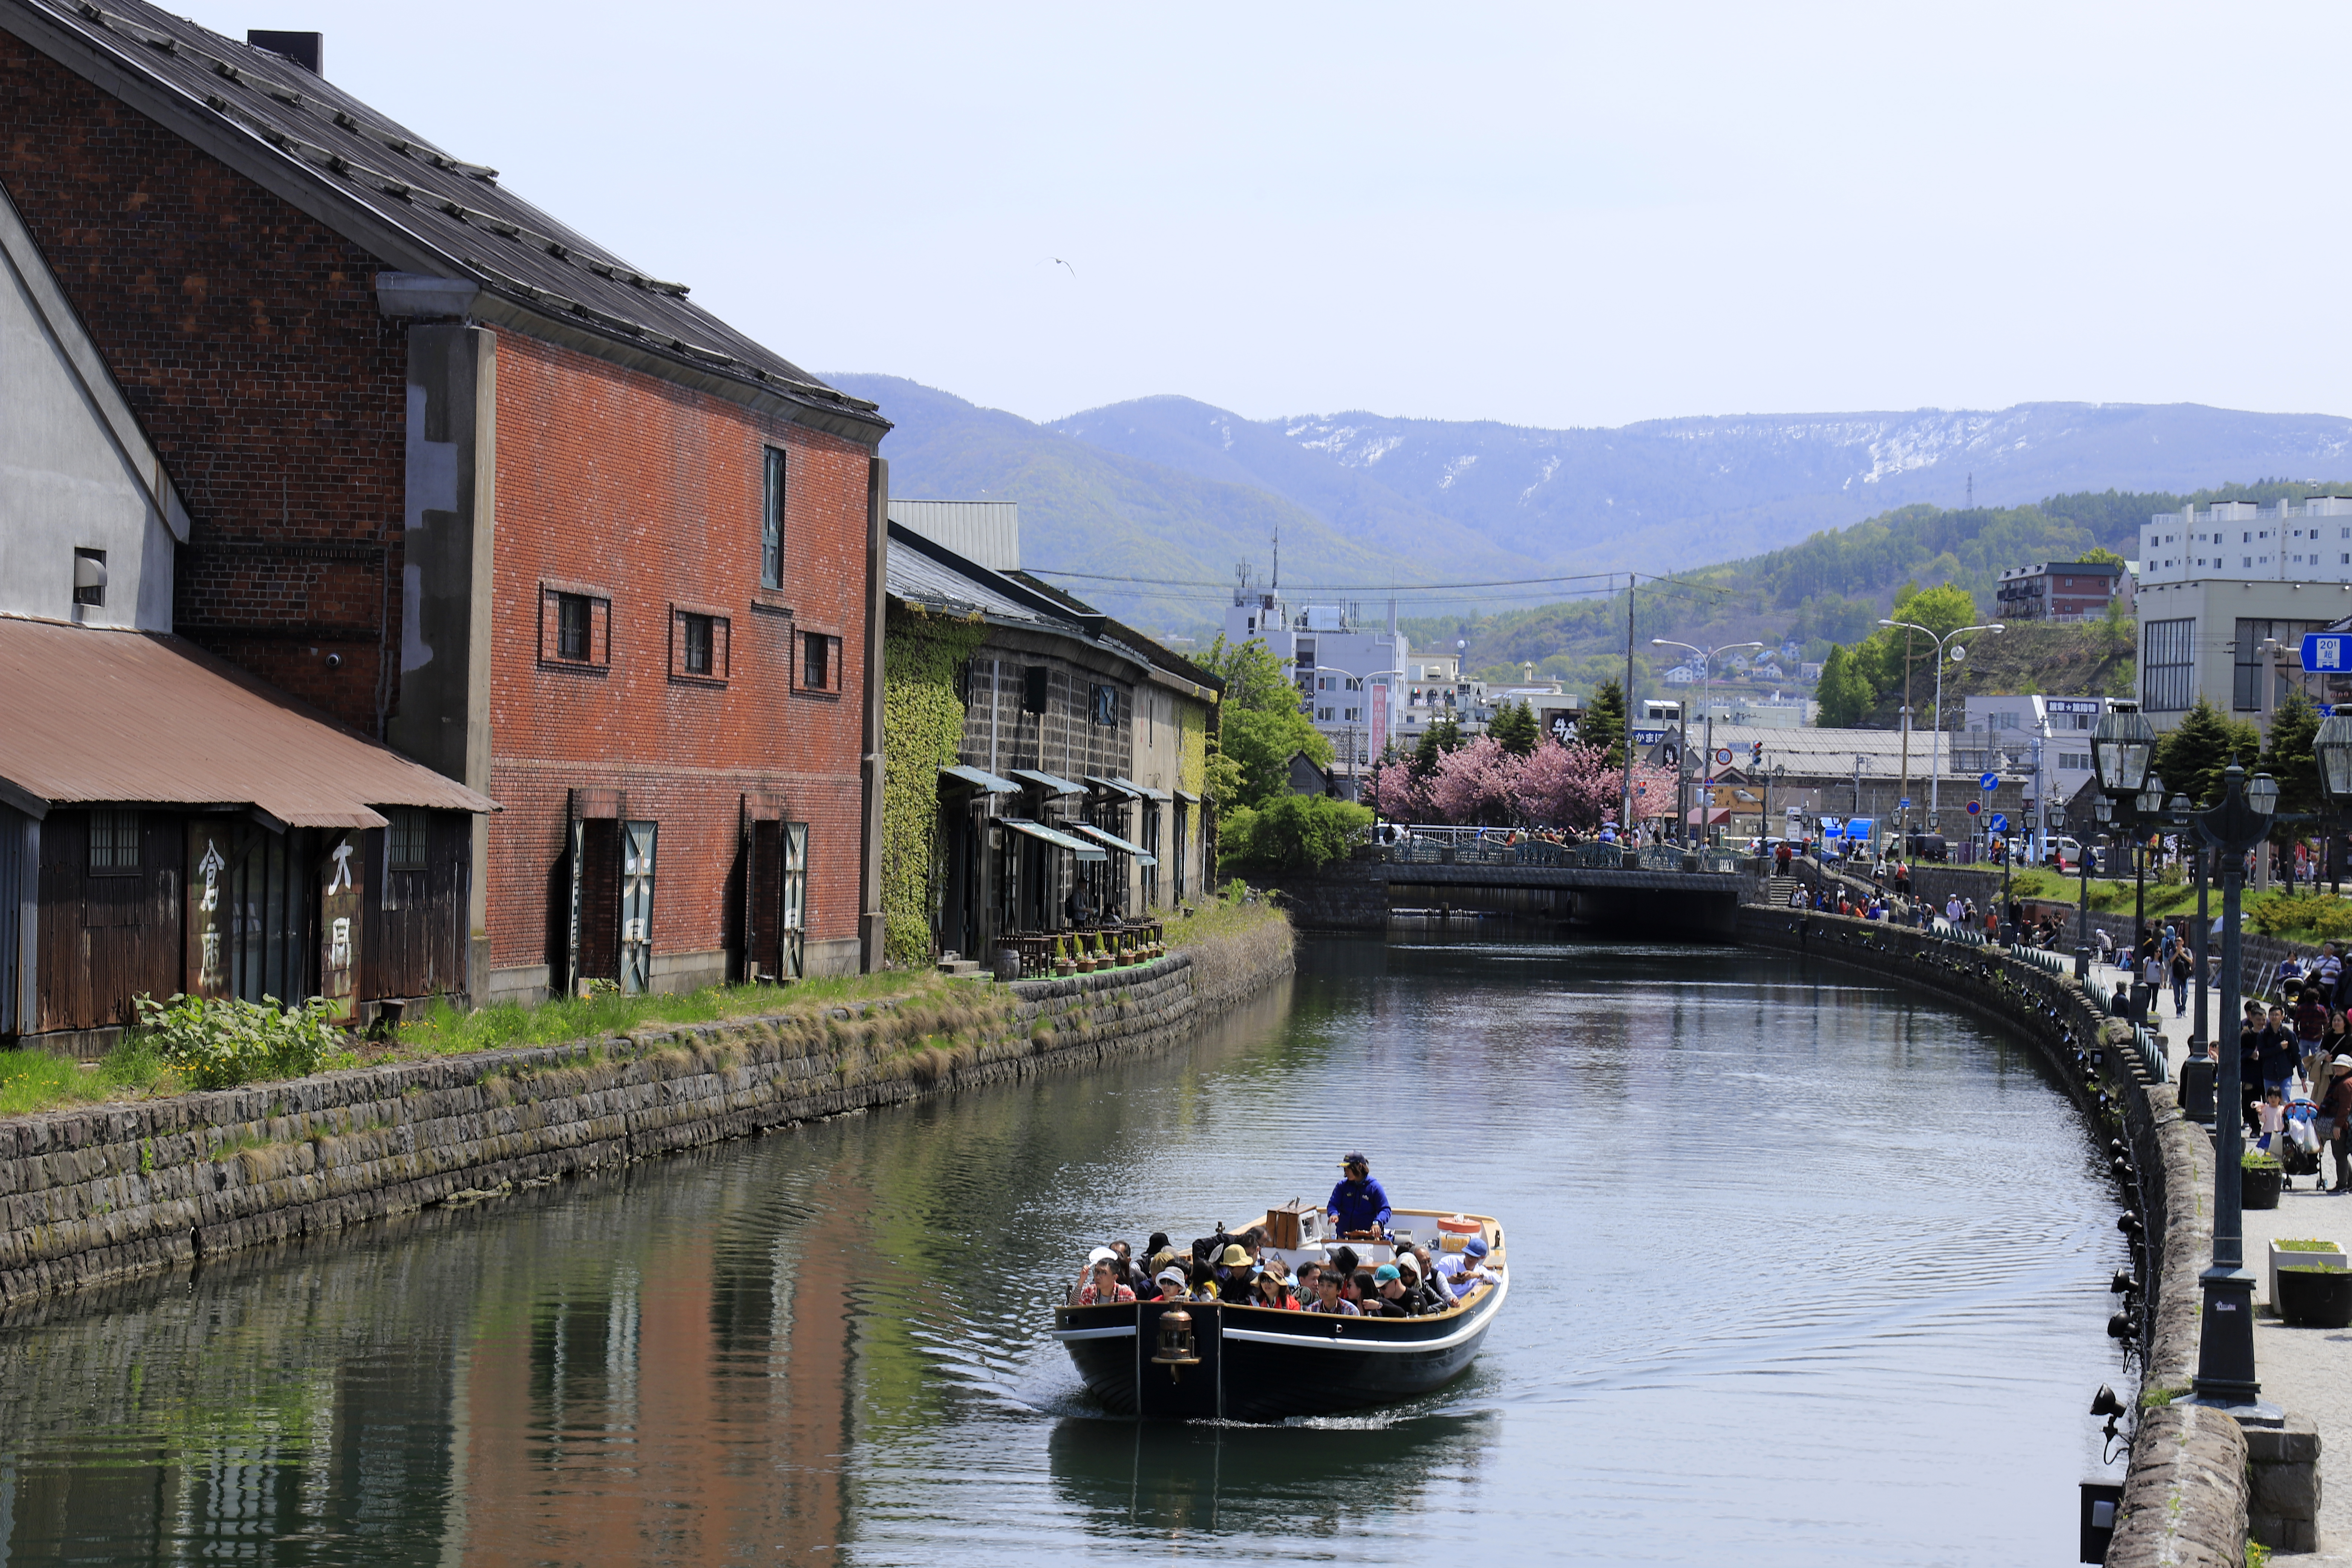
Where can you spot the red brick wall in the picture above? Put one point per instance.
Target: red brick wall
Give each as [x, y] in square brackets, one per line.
[245, 337]
[617, 480]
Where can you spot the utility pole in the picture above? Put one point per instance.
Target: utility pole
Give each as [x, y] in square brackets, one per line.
[1626, 818]
[1904, 791]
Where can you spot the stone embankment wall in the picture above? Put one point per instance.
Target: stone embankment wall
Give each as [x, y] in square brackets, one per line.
[107, 1193]
[2185, 1494]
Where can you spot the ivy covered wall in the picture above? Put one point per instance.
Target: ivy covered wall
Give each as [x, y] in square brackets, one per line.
[922, 725]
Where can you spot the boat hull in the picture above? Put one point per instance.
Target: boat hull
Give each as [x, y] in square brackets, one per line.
[1257, 1363]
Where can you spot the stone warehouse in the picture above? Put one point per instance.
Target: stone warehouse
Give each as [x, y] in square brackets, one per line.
[1045, 762]
[480, 489]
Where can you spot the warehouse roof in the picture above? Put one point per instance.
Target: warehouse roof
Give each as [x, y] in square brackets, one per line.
[96, 717]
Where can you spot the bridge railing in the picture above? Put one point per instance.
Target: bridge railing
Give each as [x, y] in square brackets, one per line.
[1469, 846]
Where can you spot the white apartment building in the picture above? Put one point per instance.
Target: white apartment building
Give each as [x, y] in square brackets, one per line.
[2063, 724]
[2215, 585]
[1349, 675]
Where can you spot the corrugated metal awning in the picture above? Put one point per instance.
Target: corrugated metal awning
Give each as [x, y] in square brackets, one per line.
[1145, 791]
[1048, 782]
[1115, 787]
[1188, 797]
[1079, 848]
[981, 779]
[1111, 840]
[95, 717]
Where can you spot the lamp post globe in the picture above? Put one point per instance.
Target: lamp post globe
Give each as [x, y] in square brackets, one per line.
[2122, 749]
[2332, 748]
[2263, 794]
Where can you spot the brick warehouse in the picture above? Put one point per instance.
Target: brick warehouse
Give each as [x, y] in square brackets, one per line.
[469, 482]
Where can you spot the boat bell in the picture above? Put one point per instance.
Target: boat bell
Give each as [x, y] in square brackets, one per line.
[1175, 1351]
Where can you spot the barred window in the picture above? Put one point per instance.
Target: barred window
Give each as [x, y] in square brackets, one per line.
[772, 524]
[2168, 666]
[571, 625]
[404, 840]
[698, 645]
[113, 843]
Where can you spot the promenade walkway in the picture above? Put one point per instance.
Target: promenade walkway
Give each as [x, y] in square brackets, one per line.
[2308, 1371]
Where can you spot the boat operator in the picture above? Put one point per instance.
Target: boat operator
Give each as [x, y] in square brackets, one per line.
[1357, 1206]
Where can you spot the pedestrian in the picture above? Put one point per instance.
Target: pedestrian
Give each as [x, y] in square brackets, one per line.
[2336, 1119]
[2106, 944]
[1953, 909]
[2182, 972]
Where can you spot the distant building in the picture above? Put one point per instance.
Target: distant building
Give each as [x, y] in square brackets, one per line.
[2062, 591]
[1349, 674]
[2012, 725]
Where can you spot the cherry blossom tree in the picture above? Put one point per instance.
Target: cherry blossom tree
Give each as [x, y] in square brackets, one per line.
[1477, 785]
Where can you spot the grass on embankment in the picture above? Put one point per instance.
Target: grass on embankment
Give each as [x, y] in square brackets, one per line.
[932, 1012]
[2293, 914]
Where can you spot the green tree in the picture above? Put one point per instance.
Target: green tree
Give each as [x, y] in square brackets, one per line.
[1941, 611]
[1515, 729]
[2288, 757]
[1845, 693]
[2192, 756]
[2100, 556]
[1604, 721]
[1293, 833]
[1442, 735]
[1262, 726]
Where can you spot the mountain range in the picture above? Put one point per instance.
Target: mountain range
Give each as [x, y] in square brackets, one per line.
[1175, 492]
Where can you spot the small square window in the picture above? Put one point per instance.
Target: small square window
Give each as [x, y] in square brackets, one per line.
[698, 644]
[575, 625]
[697, 632]
[816, 661]
[113, 843]
[404, 840]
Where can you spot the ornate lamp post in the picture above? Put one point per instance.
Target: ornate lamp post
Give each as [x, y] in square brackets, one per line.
[2100, 815]
[2225, 1353]
[2149, 803]
[2332, 748]
[2123, 747]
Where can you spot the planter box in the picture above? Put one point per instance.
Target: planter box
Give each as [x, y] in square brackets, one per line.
[2315, 1298]
[2259, 1188]
[2288, 1258]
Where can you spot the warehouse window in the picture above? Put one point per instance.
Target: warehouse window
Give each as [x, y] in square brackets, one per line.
[772, 524]
[2167, 666]
[113, 843]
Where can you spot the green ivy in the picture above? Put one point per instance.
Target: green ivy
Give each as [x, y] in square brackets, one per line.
[922, 732]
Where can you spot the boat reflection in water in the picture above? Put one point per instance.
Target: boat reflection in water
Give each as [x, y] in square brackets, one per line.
[1166, 1477]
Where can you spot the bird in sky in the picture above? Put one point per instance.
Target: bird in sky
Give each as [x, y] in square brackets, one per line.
[1059, 262]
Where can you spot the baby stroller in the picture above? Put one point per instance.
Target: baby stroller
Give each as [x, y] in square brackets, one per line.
[2298, 1152]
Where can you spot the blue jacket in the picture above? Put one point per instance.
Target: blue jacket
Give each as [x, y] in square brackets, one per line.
[1360, 1206]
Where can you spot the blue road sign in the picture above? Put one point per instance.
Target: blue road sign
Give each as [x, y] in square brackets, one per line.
[1903, 805]
[2325, 650]
[1990, 781]
[1975, 806]
[1999, 822]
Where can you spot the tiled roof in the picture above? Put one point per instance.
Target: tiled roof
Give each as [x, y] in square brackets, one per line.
[273, 120]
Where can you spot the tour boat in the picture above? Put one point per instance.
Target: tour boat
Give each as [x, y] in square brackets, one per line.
[1226, 1361]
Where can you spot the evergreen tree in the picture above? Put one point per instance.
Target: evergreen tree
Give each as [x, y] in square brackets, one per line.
[2192, 757]
[2288, 757]
[1604, 721]
[1516, 729]
[1442, 735]
[1262, 724]
[1845, 693]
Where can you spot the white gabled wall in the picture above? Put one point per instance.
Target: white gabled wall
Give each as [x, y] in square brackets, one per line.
[76, 470]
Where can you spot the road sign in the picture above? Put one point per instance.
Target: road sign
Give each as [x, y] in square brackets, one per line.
[2325, 650]
[1999, 822]
[1975, 806]
[1723, 756]
[1903, 805]
[1990, 781]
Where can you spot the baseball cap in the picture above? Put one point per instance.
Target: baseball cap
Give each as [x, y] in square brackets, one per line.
[1386, 1272]
[1355, 1160]
[1476, 1246]
[1101, 1255]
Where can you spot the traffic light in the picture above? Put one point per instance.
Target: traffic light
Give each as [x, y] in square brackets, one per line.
[1756, 753]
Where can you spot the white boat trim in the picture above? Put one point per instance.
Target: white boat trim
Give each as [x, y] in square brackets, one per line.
[1124, 1332]
[1471, 1328]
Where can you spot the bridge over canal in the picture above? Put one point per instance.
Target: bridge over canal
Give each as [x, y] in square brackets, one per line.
[1659, 889]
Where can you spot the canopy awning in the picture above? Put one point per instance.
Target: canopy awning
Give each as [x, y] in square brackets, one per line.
[1045, 835]
[1111, 840]
[1115, 787]
[1699, 817]
[1188, 797]
[1146, 790]
[980, 779]
[1048, 782]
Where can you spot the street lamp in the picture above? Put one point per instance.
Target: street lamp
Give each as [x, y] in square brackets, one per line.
[2102, 814]
[2122, 749]
[1706, 701]
[1935, 767]
[2149, 809]
[2225, 1352]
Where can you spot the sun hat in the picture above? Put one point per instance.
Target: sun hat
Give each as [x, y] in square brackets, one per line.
[1233, 1257]
[1101, 1255]
[2341, 1062]
[1476, 1246]
[1384, 1273]
[1173, 1277]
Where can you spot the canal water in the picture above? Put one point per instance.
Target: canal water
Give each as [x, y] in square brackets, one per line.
[1805, 1272]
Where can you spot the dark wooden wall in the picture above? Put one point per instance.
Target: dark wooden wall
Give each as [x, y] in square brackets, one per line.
[413, 936]
[107, 939]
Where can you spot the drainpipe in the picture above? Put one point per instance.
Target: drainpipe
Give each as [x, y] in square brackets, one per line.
[871, 928]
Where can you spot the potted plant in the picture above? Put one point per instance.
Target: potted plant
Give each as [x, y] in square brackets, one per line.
[2302, 1254]
[2259, 1178]
[1064, 965]
[2313, 1296]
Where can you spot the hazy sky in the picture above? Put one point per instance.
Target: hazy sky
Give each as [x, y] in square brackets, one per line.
[1549, 215]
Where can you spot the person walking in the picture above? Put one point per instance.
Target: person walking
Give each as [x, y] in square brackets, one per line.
[2336, 1119]
[2182, 971]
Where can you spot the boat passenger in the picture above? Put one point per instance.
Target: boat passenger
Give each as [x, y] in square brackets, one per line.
[1104, 1287]
[1387, 1296]
[1466, 1270]
[1086, 1274]
[1273, 1290]
[1421, 1294]
[1343, 1263]
[1358, 1205]
[1205, 1283]
[1234, 1272]
[1307, 1271]
[1173, 1285]
[1365, 1292]
[1330, 1301]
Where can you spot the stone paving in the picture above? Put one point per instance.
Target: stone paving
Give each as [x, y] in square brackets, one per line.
[2307, 1370]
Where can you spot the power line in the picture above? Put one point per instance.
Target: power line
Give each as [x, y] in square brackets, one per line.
[1330, 588]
